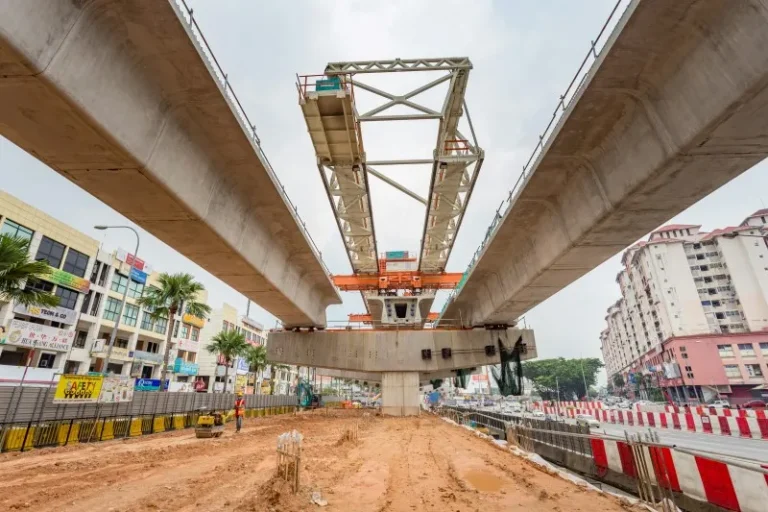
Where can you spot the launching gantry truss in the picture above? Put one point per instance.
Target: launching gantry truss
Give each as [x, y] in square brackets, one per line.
[328, 104]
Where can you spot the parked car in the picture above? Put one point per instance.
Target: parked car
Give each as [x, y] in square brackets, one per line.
[721, 403]
[587, 420]
[538, 414]
[754, 404]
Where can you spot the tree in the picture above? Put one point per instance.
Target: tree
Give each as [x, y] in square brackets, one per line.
[17, 271]
[256, 356]
[167, 299]
[228, 344]
[546, 374]
[618, 380]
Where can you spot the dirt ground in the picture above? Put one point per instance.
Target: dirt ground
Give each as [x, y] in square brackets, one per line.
[395, 465]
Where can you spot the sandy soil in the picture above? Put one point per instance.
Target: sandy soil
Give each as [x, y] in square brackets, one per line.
[395, 465]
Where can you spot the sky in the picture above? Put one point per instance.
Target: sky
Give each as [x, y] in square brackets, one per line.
[524, 54]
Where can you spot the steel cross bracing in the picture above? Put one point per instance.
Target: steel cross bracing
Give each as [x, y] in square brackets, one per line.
[456, 160]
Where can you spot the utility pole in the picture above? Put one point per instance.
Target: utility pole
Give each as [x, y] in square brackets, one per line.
[557, 385]
[586, 389]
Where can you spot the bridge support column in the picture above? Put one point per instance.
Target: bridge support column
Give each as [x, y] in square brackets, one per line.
[400, 393]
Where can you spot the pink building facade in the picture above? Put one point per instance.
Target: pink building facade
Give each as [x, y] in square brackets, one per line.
[692, 368]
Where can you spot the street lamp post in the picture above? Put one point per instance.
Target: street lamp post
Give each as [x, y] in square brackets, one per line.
[125, 293]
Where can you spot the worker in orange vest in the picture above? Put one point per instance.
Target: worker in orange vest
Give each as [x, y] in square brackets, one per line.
[239, 410]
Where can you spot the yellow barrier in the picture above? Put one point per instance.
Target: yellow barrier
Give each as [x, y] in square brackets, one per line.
[135, 427]
[178, 422]
[159, 424]
[107, 430]
[15, 437]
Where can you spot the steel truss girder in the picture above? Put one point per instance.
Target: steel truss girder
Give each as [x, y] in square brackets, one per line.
[351, 208]
[398, 65]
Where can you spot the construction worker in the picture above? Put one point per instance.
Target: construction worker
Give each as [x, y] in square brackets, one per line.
[239, 410]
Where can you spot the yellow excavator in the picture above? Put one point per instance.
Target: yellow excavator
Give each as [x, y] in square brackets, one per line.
[209, 424]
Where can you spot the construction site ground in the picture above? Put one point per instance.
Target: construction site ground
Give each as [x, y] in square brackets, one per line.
[395, 465]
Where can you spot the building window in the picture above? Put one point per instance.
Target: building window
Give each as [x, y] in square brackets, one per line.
[76, 263]
[119, 283]
[176, 329]
[16, 230]
[146, 321]
[195, 334]
[80, 339]
[50, 251]
[135, 289]
[732, 371]
[153, 347]
[161, 324]
[746, 350]
[185, 331]
[95, 303]
[725, 350]
[95, 272]
[753, 370]
[764, 348]
[111, 309]
[130, 315]
[67, 298]
[103, 275]
[43, 286]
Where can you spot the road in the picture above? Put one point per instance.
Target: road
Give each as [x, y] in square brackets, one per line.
[395, 465]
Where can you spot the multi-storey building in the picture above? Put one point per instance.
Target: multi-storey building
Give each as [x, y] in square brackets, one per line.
[684, 283]
[213, 366]
[90, 284]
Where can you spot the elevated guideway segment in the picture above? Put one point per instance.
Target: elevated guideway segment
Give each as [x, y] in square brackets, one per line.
[124, 99]
[674, 106]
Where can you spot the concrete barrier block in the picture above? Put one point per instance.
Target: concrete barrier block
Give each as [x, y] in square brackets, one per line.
[159, 424]
[135, 427]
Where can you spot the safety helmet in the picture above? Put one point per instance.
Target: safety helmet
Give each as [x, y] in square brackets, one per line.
[239, 393]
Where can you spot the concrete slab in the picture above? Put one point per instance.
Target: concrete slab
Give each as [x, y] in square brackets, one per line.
[675, 106]
[392, 350]
[118, 98]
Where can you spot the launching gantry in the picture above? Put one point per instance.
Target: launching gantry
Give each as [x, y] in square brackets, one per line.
[334, 125]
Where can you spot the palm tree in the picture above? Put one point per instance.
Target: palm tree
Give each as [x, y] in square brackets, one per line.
[256, 356]
[228, 344]
[165, 300]
[16, 271]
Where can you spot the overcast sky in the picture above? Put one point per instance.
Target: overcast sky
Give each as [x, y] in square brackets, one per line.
[524, 54]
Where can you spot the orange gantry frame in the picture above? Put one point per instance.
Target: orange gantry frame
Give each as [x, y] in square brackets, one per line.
[367, 319]
[409, 280]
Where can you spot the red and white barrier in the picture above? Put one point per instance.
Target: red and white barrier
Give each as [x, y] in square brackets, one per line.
[703, 410]
[708, 480]
[736, 426]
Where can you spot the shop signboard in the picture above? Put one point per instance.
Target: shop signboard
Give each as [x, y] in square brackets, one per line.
[187, 345]
[138, 276]
[78, 389]
[57, 276]
[57, 314]
[34, 336]
[149, 357]
[242, 366]
[193, 320]
[116, 389]
[184, 367]
[147, 385]
[101, 347]
[129, 258]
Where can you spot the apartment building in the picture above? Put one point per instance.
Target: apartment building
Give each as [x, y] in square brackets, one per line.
[90, 284]
[213, 367]
[683, 282]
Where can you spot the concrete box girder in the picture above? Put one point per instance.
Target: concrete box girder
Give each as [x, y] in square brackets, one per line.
[675, 106]
[393, 350]
[118, 97]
